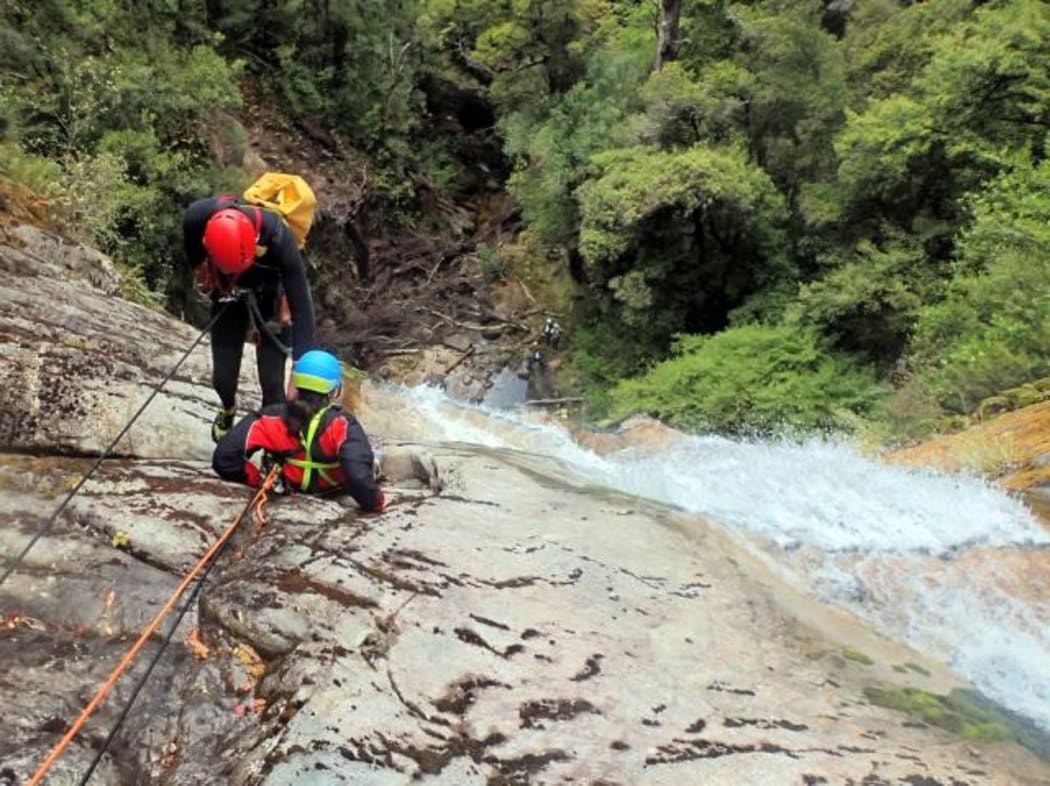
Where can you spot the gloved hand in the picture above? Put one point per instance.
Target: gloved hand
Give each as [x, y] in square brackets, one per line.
[381, 503]
[204, 278]
[280, 487]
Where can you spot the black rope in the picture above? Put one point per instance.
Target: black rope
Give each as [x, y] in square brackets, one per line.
[264, 326]
[105, 453]
[190, 600]
[146, 675]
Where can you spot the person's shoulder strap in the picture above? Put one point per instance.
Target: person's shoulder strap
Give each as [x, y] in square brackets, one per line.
[311, 431]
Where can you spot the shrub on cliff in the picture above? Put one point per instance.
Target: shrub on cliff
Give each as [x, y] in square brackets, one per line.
[751, 379]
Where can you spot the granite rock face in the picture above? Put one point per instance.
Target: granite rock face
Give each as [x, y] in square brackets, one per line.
[78, 361]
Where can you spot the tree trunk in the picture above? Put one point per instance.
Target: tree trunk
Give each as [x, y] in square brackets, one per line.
[667, 45]
[360, 251]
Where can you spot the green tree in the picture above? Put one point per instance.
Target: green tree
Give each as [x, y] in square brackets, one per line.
[909, 158]
[990, 332]
[553, 156]
[524, 51]
[868, 303]
[681, 110]
[124, 107]
[794, 103]
[887, 43]
[345, 65]
[968, 96]
[551, 142]
[680, 238]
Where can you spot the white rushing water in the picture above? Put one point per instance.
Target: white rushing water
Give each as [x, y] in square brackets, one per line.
[942, 562]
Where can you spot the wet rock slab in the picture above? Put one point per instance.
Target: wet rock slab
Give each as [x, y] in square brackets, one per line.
[497, 625]
[67, 615]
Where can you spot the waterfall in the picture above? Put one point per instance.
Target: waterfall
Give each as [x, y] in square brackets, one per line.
[950, 564]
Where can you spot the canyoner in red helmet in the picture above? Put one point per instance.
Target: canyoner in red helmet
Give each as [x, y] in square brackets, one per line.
[247, 260]
[320, 446]
[229, 240]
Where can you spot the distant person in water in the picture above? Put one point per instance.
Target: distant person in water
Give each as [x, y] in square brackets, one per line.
[536, 361]
[552, 333]
[320, 446]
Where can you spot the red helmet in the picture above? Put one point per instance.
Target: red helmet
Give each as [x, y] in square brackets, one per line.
[229, 239]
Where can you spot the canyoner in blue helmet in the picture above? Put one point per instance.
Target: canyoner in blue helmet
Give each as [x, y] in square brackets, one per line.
[318, 372]
[320, 446]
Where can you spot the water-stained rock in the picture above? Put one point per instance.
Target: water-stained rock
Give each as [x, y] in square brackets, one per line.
[510, 628]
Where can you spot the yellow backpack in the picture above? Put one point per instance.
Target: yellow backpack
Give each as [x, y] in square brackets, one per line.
[288, 195]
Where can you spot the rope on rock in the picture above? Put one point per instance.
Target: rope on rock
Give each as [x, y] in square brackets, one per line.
[205, 564]
[14, 563]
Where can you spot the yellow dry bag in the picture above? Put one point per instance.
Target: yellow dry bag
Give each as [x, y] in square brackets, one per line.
[288, 195]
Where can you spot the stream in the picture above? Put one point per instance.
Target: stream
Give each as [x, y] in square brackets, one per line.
[949, 564]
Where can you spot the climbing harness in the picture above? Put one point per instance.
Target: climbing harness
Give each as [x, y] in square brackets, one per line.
[205, 564]
[13, 564]
[259, 325]
[307, 464]
[233, 295]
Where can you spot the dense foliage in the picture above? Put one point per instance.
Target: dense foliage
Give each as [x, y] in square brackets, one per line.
[792, 212]
[751, 380]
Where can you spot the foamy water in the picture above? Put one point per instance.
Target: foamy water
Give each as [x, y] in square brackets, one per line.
[911, 551]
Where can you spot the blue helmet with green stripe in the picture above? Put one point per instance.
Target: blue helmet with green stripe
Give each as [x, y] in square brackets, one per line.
[318, 371]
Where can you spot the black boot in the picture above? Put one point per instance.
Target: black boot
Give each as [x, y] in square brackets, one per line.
[222, 424]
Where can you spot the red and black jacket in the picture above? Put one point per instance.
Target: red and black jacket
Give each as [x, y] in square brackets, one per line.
[340, 456]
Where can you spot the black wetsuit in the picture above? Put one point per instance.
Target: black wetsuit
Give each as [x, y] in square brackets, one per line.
[281, 266]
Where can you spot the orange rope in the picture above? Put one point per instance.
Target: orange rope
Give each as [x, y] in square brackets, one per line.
[258, 500]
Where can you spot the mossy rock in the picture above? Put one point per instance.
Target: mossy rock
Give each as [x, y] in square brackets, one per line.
[857, 657]
[1025, 395]
[917, 668]
[994, 405]
[966, 713]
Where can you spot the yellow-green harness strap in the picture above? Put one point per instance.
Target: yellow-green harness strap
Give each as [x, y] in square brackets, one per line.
[307, 464]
